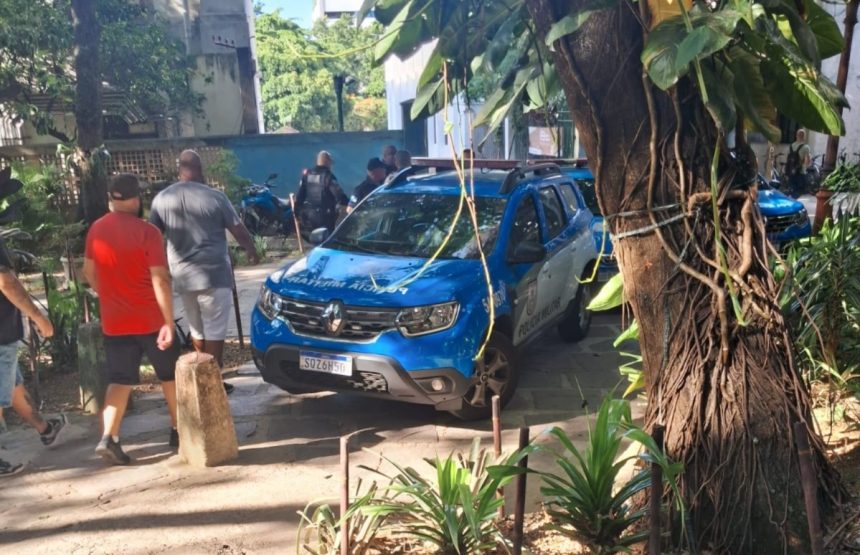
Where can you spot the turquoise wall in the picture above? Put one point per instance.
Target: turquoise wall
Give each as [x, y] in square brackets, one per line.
[289, 154]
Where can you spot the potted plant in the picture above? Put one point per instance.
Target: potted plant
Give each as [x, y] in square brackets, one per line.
[839, 190]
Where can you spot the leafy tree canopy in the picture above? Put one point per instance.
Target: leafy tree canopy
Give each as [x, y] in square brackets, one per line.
[138, 57]
[298, 68]
[753, 57]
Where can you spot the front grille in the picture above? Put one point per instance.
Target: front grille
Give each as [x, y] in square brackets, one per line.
[371, 382]
[778, 224]
[361, 323]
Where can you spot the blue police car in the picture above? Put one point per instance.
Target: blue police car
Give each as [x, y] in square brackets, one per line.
[368, 312]
[785, 218]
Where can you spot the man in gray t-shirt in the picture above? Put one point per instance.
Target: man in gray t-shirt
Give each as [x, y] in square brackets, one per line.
[193, 218]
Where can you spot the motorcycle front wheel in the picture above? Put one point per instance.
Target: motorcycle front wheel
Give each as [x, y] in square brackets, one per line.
[251, 220]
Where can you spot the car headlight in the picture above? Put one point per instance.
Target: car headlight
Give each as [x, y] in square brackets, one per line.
[801, 218]
[270, 303]
[421, 320]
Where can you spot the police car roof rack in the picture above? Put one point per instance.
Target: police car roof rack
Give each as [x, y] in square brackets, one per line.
[516, 172]
[516, 175]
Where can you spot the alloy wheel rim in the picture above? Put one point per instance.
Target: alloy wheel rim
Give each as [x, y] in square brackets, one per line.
[491, 378]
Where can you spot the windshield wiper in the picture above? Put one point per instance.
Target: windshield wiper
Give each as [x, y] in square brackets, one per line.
[353, 246]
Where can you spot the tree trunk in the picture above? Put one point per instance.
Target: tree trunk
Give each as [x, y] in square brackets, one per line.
[726, 389]
[88, 109]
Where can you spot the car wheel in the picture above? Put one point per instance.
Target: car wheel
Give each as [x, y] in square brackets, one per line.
[497, 375]
[576, 324]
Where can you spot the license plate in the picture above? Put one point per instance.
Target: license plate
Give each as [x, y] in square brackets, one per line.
[329, 364]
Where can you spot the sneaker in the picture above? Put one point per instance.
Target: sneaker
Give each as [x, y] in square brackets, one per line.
[112, 452]
[55, 429]
[174, 438]
[228, 388]
[9, 469]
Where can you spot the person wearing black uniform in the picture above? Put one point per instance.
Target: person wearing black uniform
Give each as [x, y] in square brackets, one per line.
[375, 176]
[319, 196]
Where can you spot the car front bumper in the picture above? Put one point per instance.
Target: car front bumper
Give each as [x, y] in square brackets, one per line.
[373, 375]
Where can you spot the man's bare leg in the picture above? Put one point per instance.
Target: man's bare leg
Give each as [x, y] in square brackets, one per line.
[23, 405]
[216, 349]
[116, 401]
[169, 389]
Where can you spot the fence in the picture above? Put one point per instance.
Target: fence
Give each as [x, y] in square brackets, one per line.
[155, 160]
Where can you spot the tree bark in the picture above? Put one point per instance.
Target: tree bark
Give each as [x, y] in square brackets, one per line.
[725, 388]
[88, 109]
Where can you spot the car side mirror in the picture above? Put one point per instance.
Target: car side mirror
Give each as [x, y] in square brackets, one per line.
[527, 252]
[319, 235]
[272, 176]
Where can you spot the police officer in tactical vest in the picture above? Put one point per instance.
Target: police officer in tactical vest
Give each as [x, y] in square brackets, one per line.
[320, 195]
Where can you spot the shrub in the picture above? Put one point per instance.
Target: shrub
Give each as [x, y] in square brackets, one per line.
[223, 173]
[320, 529]
[455, 511]
[824, 303]
[584, 493]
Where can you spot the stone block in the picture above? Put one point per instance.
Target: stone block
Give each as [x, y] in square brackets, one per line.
[91, 367]
[207, 436]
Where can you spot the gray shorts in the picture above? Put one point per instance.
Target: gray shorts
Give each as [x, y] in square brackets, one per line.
[208, 312]
[10, 374]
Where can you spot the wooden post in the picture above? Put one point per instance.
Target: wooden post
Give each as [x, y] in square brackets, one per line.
[656, 500]
[832, 151]
[810, 488]
[236, 309]
[344, 495]
[91, 367]
[520, 502]
[296, 222]
[497, 443]
[207, 436]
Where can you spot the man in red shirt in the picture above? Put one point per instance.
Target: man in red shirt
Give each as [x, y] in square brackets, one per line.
[127, 266]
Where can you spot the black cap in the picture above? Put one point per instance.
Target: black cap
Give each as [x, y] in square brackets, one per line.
[375, 164]
[124, 186]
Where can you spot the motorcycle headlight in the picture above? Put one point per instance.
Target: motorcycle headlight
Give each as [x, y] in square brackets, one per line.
[270, 303]
[421, 320]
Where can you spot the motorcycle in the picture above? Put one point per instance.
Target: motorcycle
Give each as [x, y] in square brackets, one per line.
[265, 214]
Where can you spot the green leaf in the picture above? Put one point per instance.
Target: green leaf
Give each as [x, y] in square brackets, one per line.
[825, 28]
[571, 23]
[610, 296]
[751, 95]
[721, 97]
[798, 31]
[428, 98]
[804, 95]
[630, 334]
[670, 47]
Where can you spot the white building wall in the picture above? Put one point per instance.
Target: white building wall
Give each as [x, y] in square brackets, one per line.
[401, 82]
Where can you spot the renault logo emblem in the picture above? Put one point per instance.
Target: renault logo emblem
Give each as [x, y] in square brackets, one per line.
[333, 317]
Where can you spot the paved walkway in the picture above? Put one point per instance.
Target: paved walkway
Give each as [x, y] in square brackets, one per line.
[69, 502]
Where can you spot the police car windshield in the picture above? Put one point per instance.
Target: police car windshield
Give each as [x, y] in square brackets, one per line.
[406, 224]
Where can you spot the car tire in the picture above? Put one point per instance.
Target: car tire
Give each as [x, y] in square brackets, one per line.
[500, 362]
[576, 324]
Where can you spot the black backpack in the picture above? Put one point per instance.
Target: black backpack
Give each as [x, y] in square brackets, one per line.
[792, 161]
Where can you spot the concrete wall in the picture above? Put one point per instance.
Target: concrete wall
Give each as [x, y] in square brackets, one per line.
[288, 154]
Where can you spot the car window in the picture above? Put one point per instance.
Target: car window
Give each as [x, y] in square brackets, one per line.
[553, 212]
[570, 197]
[586, 187]
[526, 224]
